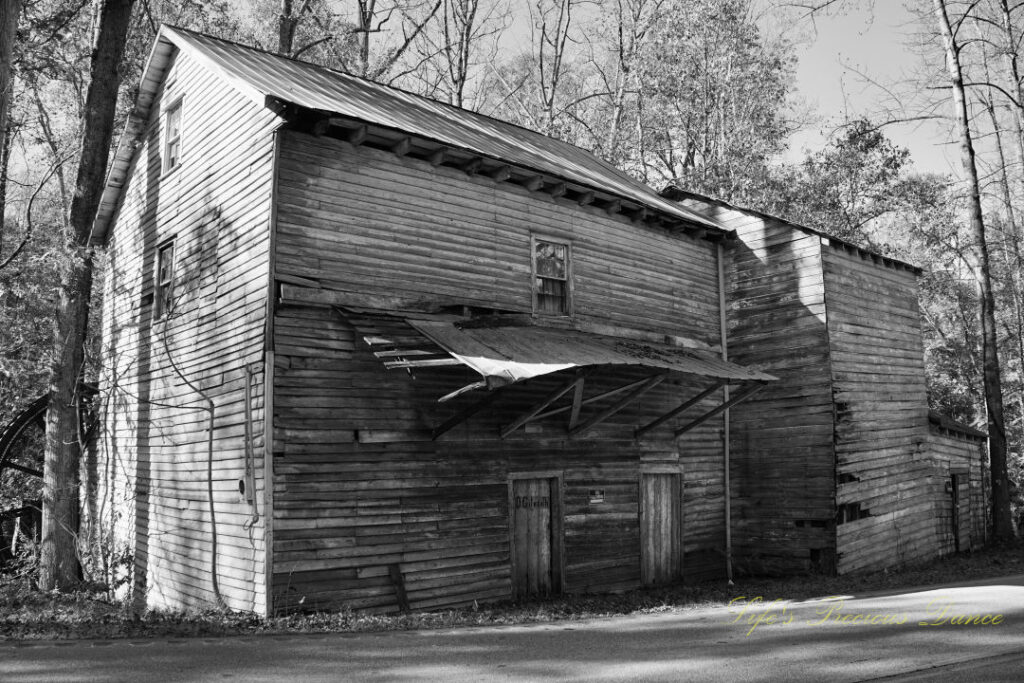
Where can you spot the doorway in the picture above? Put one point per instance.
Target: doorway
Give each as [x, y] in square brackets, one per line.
[661, 527]
[536, 533]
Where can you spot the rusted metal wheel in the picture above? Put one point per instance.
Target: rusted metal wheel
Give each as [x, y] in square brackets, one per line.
[21, 475]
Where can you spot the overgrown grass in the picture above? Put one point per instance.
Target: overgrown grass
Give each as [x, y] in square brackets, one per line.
[28, 614]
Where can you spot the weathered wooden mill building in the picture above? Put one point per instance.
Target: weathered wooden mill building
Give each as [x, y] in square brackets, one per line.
[366, 349]
[869, 477]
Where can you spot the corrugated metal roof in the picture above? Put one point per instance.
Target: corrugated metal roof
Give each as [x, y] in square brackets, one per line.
[263, 75]
[512, 354]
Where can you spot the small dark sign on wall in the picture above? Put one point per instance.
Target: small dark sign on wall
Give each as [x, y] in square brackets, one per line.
[596, 496]
[526, 502]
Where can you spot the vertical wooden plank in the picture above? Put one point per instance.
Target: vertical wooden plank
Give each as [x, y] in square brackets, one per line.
[660, 527]
[544, 535]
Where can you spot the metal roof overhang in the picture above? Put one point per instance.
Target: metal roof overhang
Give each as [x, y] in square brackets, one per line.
[504, 353]
[270, 80]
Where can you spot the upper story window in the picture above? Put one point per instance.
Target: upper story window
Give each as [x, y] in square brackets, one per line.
[163, 296]
[552, 277]
[172, 136]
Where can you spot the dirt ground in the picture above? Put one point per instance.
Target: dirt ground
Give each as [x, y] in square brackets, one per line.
[29, 615]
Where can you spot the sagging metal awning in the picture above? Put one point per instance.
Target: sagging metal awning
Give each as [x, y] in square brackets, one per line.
[506, 352]
[503, 354]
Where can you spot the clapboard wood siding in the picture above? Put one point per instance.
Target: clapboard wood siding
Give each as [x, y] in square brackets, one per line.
[347, 507]
[179, 509]
[362, 220]
[358, 484]
[963, 455]
[882, 460]
[782, 461]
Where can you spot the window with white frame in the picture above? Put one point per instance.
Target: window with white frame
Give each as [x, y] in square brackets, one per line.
[552, 277]
[172, 136]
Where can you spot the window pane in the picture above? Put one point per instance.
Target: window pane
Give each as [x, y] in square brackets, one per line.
[172, 144]
[550, 259]
[174, 122]
[164, 279]
[552, 296]
[165, 259]
[172, 153]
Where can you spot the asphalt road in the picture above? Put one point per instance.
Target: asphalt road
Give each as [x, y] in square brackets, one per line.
[912, 636]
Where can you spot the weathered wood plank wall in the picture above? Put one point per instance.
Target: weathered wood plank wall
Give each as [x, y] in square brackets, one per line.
[179, 510]
[963, 454]
[782, 455]
[347, 505]
[885, 504]
[357, 485]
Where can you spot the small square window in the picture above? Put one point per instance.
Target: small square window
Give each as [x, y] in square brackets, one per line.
[551, 277]
[164, 294]
[172, 137]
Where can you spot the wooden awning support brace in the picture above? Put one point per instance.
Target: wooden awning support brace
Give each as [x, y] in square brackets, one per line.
[684, 406]
[539, 411]
[742, 395]
[464, 414]
[600, 417]
[558, 393]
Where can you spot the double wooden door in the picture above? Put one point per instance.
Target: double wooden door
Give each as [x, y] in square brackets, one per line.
[661, 526]
[536, 524]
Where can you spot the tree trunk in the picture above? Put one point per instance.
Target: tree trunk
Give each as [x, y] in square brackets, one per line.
[58, 565]
[9, 12]
[286, 22]
[1002, 525]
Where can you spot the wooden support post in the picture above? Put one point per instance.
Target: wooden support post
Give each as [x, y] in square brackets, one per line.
[592, 399]
[533, 183]
[398, 581]
[577, 404]
[593, 421]
[684, 406]
[502, 173]
[537, 409]
[357, 136]
[402, 147]
[741, 396]
[438, 156]
[557, 190]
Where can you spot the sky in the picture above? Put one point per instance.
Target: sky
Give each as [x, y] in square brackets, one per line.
[850, 64]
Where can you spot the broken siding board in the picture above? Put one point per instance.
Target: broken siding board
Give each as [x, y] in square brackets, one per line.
[874, 327]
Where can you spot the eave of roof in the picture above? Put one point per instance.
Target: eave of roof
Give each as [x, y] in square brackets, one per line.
[675, 192]
[947, 423]
[269, 79]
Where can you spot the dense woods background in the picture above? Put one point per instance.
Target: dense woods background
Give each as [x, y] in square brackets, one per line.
[697, 92]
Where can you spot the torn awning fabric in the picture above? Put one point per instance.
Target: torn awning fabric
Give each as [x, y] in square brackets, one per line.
[508, 354]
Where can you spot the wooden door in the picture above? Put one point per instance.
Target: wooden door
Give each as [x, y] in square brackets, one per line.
[535, 569]
[954, 491]
[961, 494]
[660, 527]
